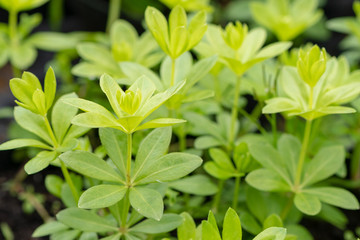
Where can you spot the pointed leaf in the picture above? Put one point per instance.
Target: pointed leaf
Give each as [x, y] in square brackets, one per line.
[19, 143]
[49, 228]
[273, 233]
[187, 230]
[232, 226]
[102, 196]
[267, 180]
[159, 123]
[85, 220]
[40, 161]
[167, 223]
[307, 203]
[90, 165]
[49, 87]
[147, 202]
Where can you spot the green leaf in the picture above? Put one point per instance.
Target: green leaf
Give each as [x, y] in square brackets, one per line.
[85, 220]
[267, 180]
[23, 56]
[167, 223]
[54, 41]
[115, 143]
[232, 226]
[96, 53]
[49, 228]
[335, 196]
[53, 184]
[187, 230]
[205, 142]
[102, 196]
[273, 220]
[49, 87]
[216, 171]
[325, 164]
[221, 159]
[113, 237]
[196, 184]
[273, 233]
[19, 143]
[40, 161]
[61, 116]
[159, 123]
[90, 165]
[209, 232]
[250, 224]
[289, 148]
[270, 158]
[147, 202]
[68, 235]
[307, 203]
[32, 122]
[152, 147]
[88, 236]
[169, 167]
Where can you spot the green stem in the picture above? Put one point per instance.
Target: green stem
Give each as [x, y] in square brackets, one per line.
[40, 209]
[303, 152]
[128, 159]
[50, 131]
[113, 13]
[172, 80]
[274, 128]
[234, 111]
[56, 14]
[217, 197]
[69, 182]
[14, 37]
[355, 162]
[253, 120]
[125, 210]
[285, 212]
[236, 193]
[217, 89]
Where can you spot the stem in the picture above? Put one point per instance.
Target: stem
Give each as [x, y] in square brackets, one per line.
[355, 162]
[14, 41]
[113, 13]
[274, 128]
[234, 111]
[218, 195]
[236, 193]
[172, 80]
[50, 131]
[69, 181]
[217, 89]
[253, 120]
[287, 207]
[125, 209]
[56, 13]
[303, 152]
[37, 205]
[128, 159]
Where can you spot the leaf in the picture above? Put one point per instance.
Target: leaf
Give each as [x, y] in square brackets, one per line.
[325, 164]
[23, 56]
[113, 237]
[232, 226]
[216, 171]
[168, 222]
[68, 235]
[53, 184]
[273, 233]
[205, 142]
[49, 87]
[152, 147]
[273, 220]
[169, 167]
[250, 224]
[289, 148]
[61, 116]
[19, 143]
[102, 196]
[335, 196]
[32, 122]
[187, 230]
[88, 236]
[221, 159]
[307, 203]
[147, 202]
[115, 143]
[96, 53]
[196, 184]
[85, 220]
[266, 180]
[49, 228]
[208, 231]
[90, 165]
[159, 123]
[270, 158]
[54, 41]
[40, 161]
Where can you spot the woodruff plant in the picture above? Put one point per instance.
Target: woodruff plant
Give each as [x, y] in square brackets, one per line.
[134, 185]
